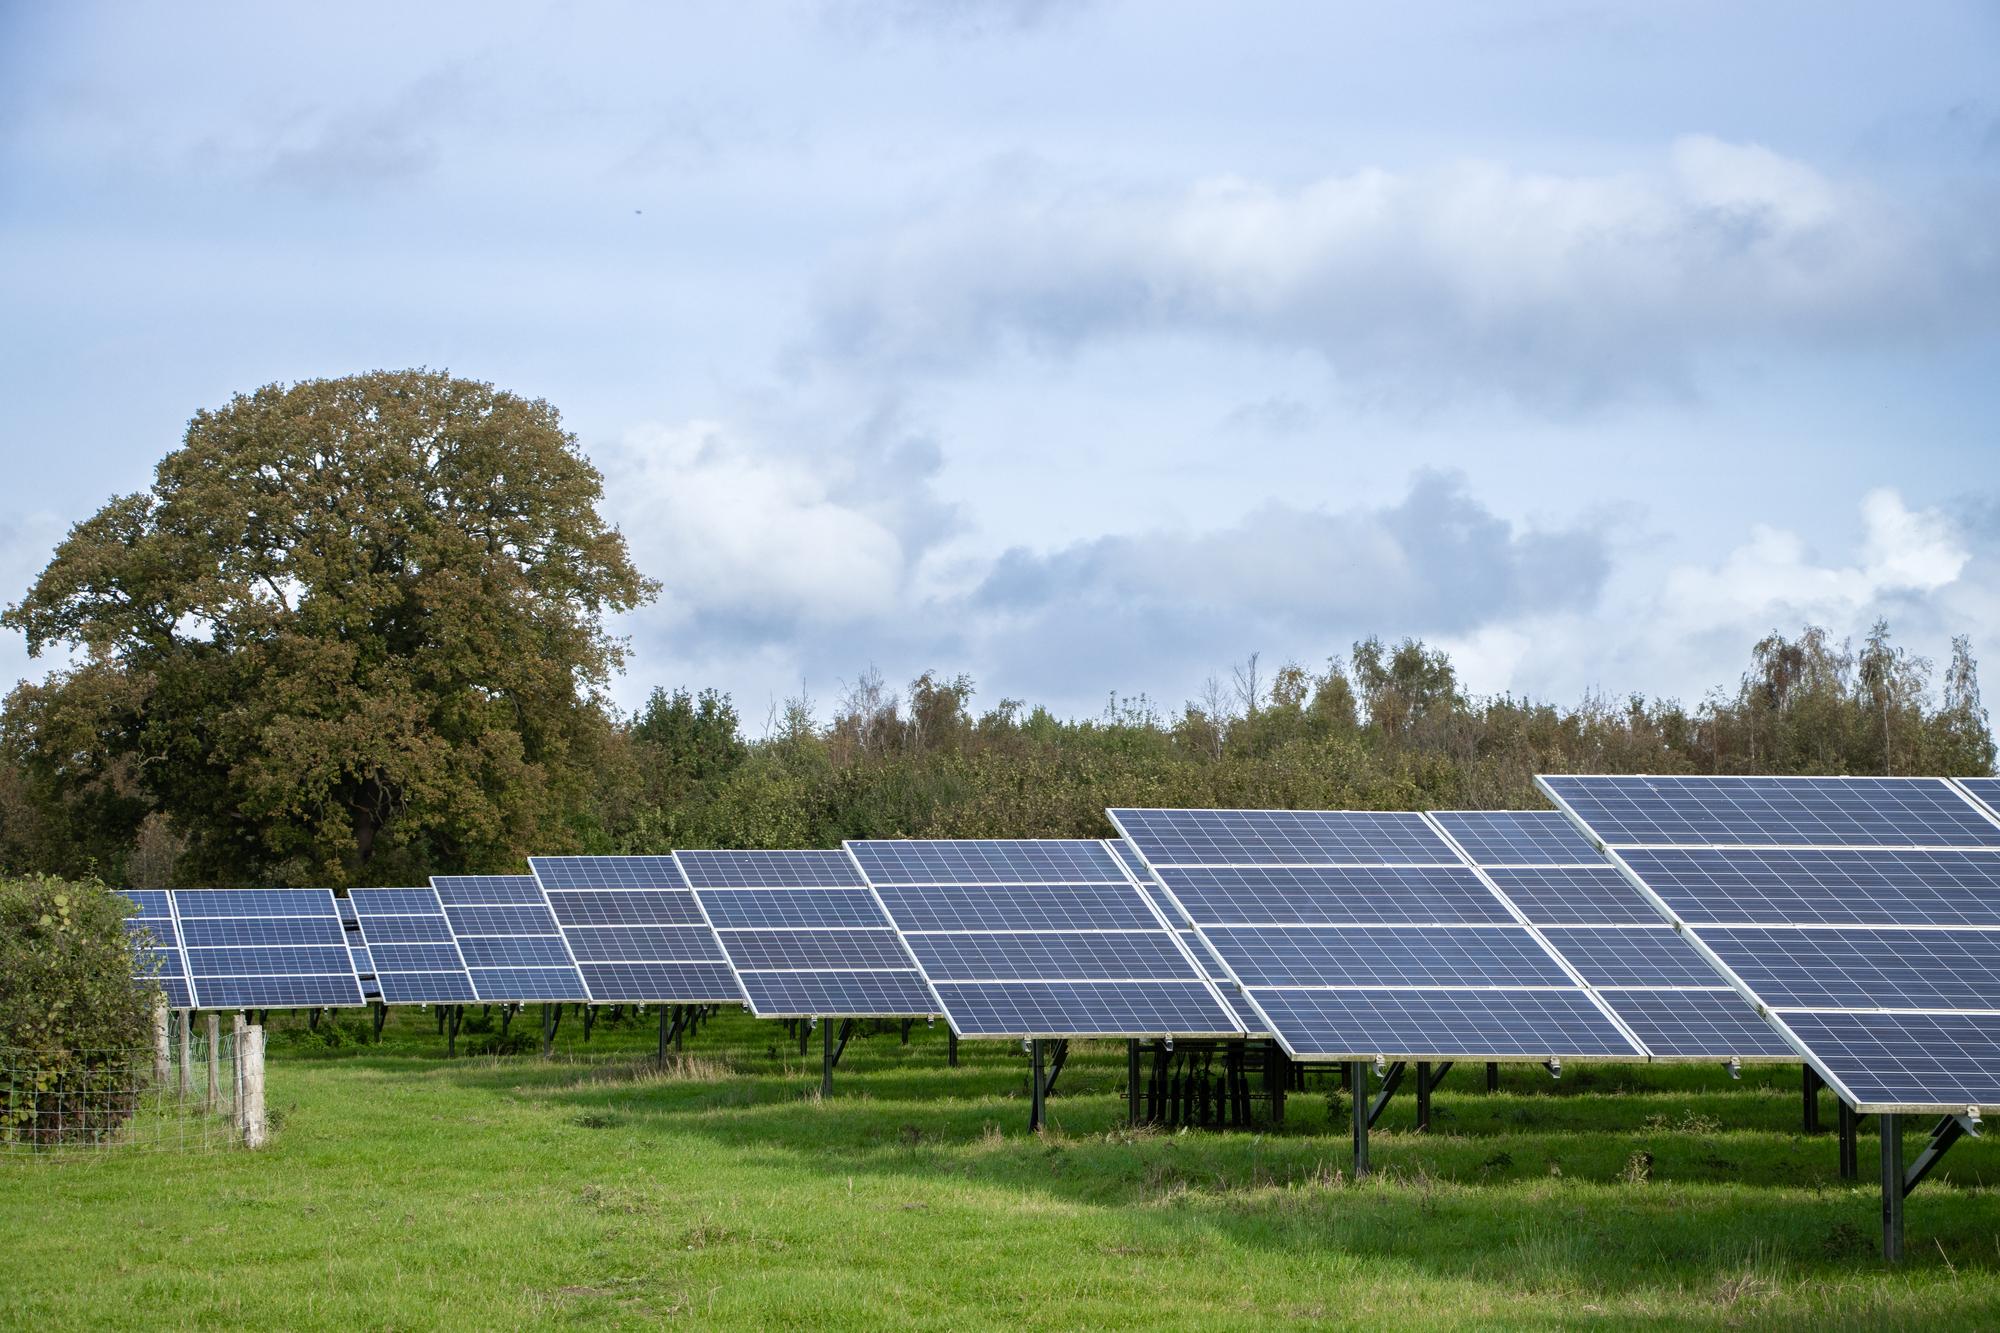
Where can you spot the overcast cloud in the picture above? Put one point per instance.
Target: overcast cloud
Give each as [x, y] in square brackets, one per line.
[1085, 348]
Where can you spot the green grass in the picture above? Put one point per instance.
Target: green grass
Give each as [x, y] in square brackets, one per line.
[404, 1190]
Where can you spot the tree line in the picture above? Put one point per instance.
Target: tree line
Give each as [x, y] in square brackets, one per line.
[353, 634]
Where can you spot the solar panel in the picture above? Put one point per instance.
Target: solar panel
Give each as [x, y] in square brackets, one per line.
[1657, 984]
[409, 947]
[513, 951]
[1246, 1013]
[1984, 790]
[805, 936]
[158, 945]
[1040, 938]
[1361, 935]
[1860, 913]
[265, 949]
[635, 929]
[1642, 811]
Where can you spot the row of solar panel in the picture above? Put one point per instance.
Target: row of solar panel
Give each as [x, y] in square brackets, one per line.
[1512, 938]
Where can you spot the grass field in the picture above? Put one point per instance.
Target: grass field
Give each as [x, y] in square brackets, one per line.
[404, 1190]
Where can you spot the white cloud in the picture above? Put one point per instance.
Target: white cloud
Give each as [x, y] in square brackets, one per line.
[1471, 277]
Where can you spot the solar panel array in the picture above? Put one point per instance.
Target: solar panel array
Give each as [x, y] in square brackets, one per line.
[1863, 913]
[1360, 935]
[158, 941]
[512, 949]
[1040, 938]
[1658, 985]
[1984, 790]
[408, 947]
[805, 935]
[635, 930]
[265, 948]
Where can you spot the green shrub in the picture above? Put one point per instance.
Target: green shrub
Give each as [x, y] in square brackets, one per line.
[73, 1024]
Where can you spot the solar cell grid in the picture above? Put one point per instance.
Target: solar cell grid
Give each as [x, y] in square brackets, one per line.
[1040, 938]
[1774, 811]
[1574, 895]
[1985, 790]
[1282, 837]
[1371, 956]
[1864, 968]
[1518, 837]
[769, 869]
[1824, 886]
[1331, 895]
[265, 948]
[1651, 955]
[1441, 1024]
[491, 890]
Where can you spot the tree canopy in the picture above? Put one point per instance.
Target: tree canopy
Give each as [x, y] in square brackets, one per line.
[354, 631]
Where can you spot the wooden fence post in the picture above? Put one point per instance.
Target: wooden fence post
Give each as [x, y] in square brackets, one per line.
[253, 1088]
[214, 1061]
[163, 1055]
[237, 1028]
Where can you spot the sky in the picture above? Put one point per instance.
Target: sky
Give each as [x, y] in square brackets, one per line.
[1086, 349]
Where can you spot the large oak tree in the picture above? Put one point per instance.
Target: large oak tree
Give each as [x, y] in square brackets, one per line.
[353, 632]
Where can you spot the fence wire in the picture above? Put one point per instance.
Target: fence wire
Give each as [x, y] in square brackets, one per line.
[183, 1098]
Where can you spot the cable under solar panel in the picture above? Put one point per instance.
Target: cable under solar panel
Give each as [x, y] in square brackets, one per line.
[1860, 914]
[266, 949]
[1040, 938]
[635, 930]
[411, 952]
[805, 936]
[513, 951]
[1362, 935]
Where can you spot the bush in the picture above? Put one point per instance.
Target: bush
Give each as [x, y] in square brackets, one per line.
[69, 1009]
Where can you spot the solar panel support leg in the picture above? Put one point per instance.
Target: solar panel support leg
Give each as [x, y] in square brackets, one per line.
[1035, 1092]
[1277, 1078]
[1850, 1165]
[1423, 1096]
[1391, 1080]
[805, 1035]
[1057, 1059]
[666, 1035]
[908, 1023]
[381, 1017]
[1357, 1079]
[451, 1032]
[951, 1048]
[589, 1021]
[1132, 1081]
[847, 1029]
[1892, 1187]
[1811, 1093]
[1949, 1131]
[1492, 1076]
[825, 1058]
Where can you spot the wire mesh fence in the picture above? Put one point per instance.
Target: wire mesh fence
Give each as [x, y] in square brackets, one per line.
[198, 1088]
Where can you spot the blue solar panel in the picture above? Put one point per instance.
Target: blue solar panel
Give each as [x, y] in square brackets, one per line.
[782, 909]
[524, 985]
[1321, 944]
[1017, 906]
[1040, 938]
[1246, 1015]
[1129, 857]
[1518, 837]
[769, 869]
[1682, 1024]
[411, 952]
[615, 913]
[1050, 956]
[1770, 811]
[1029, 861]
[850, 994]
[1825, 887]
[1574, 896]
[1084, 1009]
[1441, 1024]
[1384, 895]
[1922, 1060]
[508, 920]
[1282, 837]
[1985, 790]
[799, 933]
[513, 951]
[1633, 956]
[265, 948]
[1864, 968]
[520, 889]
[158, 959]
[1386, 956]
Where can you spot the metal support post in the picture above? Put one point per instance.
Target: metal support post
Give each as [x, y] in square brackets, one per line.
[1392, 1079]
[825, 1058]
[1132, 1081]
[451, 1030]
[1892, 1187]
[1035, 1088]
[1811, 1092]
[381, 1017]
[1492, 1077]
[1850, 1164]
[951, 1048]
[1423, 1096]
[1357, 1079]
[665, 1035]
[847, 1029]
[1277, 1077]
[805, 1035]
